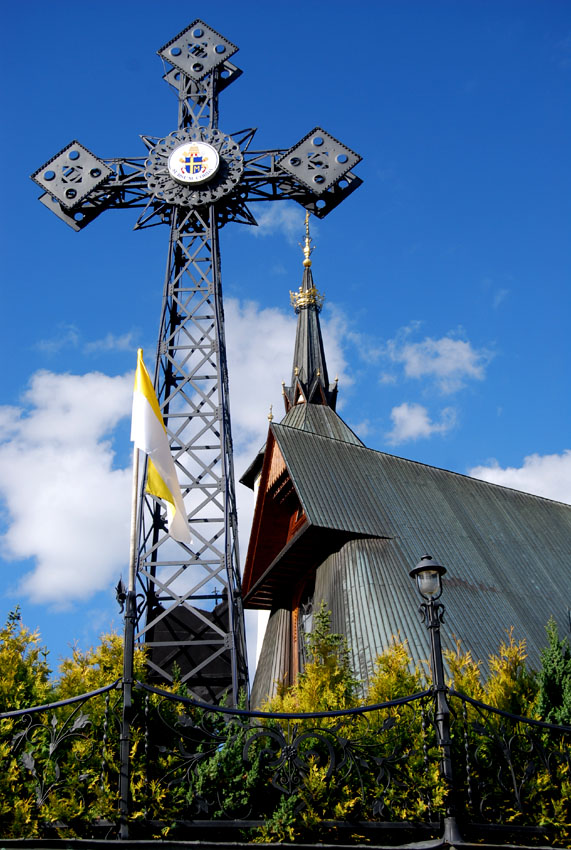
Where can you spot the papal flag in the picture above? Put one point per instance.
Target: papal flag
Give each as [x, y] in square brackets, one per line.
[149, 434]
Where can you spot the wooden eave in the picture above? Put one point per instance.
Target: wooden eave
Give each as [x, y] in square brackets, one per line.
[284, 545]
[308, 547]
[272, 525]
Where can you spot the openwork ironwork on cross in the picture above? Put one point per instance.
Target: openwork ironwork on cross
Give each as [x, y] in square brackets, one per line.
[195, 179]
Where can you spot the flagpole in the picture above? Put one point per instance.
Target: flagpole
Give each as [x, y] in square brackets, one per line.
[128, 657]
[134, 516]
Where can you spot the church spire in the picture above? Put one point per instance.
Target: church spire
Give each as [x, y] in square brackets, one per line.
[309, 380]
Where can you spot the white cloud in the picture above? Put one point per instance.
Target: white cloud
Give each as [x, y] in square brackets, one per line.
[449, 361]
[9, 422]
[412, 422]
[499, 297]
[362, 429]
[69, 336]
[367, 348]
[335, 337]
[282, 218]
[260, 348]
[111, 342]
[542, 475]
[67, 507]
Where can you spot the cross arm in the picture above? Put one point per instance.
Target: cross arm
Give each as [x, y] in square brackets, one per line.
[315, 172]
[80, 186]
[265, 179]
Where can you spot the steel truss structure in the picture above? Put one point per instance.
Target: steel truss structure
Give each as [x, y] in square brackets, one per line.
[188, 607]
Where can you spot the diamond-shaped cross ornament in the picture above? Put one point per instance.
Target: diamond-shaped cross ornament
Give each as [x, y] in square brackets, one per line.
[197, 50]
[72, 174]
[319, 160]
[316, 172]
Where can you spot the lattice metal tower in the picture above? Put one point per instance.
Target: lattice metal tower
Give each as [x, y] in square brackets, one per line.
[195, 180]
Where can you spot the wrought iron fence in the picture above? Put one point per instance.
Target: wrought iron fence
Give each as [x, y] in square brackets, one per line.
[59, 766]
[512, 774]
[331, 770]
[348, 775]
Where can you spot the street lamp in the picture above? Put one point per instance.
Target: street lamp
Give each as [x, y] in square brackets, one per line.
[428, 575]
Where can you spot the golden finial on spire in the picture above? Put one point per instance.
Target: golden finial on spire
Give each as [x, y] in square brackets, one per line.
[306, 297]
[271, 413]
[307, 248]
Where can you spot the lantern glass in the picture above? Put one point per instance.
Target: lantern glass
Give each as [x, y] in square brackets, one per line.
[429, 583]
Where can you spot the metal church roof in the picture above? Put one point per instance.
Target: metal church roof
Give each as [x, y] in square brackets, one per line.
[319, 419]
[507, 553]
[315, 418]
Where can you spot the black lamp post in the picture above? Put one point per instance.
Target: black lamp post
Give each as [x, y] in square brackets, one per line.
[428, 574]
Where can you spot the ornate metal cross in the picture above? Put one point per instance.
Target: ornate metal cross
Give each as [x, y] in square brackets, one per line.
[196, 179]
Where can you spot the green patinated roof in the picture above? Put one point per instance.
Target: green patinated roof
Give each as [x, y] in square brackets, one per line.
[507, 553]
[319, 419]
[346, 486]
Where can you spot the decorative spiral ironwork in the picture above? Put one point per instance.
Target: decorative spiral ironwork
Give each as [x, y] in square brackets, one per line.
[366, 750]
[505, 757]
[163, 187]
[198, 762]
[60, 755]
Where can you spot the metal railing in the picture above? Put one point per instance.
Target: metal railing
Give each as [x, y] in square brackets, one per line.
[59, 766]
[354, 774]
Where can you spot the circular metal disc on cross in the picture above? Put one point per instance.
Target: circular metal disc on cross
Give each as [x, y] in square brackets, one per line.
[196, 179]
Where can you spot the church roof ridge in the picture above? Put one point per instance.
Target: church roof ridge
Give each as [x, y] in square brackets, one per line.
[440, 469]
[318, 410]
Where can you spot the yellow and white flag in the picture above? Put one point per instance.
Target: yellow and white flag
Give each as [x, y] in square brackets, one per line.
[149, 434]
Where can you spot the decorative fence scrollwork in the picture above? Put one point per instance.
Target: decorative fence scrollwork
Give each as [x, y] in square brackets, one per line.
[332, 774]
[59, 766]
[510, 771]
[359, 765]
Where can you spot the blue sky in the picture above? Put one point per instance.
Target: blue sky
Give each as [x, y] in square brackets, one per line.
[446, 275]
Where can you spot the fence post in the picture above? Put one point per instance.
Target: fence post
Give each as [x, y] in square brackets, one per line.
[128, 659]
[125, 738]
[433, 612]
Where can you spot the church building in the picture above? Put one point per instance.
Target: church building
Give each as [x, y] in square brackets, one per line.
[339, 522]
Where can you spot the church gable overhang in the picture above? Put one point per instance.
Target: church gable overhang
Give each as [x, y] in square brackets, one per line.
[291, 532]
[278, 516]
[298, 559]
[250, 476]
[334, 482]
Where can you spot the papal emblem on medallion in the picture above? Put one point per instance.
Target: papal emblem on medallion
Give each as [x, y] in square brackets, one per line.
[193, 162]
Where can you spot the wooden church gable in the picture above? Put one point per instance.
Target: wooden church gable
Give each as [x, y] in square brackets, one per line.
[278, 515]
